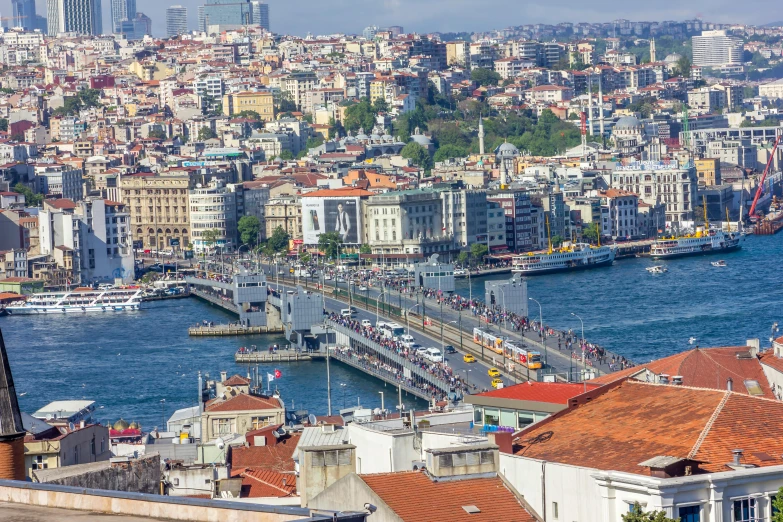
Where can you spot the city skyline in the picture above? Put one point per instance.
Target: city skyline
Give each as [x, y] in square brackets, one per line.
[351, 16]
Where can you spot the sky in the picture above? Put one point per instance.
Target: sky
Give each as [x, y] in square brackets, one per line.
[300, 17]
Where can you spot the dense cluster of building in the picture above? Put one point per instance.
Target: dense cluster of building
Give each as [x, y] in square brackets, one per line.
[163, 145]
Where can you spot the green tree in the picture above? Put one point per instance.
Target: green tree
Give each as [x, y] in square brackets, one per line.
[286, 155]
[31, 199]
[365, 249]
[380, 105]
[305, 258]
[360, 115]
[157, 133]
[417, 154]
[463, 258]
[286, 103]
[777, 507]
[249, 115]
[478, 251]
[683, 67]
[206, 133]
[484, 77]
[557, 240]
[209, 237]
[317, 141]
[277, 242]
[637, 515]
[449, 151]
[248, 228]
[329, 243]
[590, 232]
[3, 125]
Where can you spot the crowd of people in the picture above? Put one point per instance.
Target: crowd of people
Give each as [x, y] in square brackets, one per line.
[439, 370]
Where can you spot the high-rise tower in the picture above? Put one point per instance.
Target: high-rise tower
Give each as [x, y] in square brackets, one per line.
[74, 16]
[176, 20]
[121, 10]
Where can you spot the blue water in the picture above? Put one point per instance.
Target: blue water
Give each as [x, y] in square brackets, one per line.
[644, 316]
[129, 362]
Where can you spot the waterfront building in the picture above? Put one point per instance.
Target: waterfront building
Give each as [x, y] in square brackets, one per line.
[121, 10]
[74, 16]
[405, 226]
[13, 263]
[622, 209]
[708, 171]
[176, 20]
[660, 182]
[255, 195]
[496, 227]
[213, 208]
[284, 211]
[715, 49]
[334, 210]
[50, 446]
[433, 273]
[516, 206]
[237, 412]
[158, 207]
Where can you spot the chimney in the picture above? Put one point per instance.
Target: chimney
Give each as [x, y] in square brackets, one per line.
[81, 424]
[730, 384]
[677, 380]
[502, 439]
[11, 430]
[223, 376]
[754, 345]
[737, 457]
[663, 378]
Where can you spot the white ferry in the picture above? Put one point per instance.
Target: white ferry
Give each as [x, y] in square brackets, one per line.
[79, 301]
[579, 256]
[700, 243]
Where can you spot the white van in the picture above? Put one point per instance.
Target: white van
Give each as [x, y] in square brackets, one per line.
[433, 354]
[346, 312]
[366, 323]
[406, 340]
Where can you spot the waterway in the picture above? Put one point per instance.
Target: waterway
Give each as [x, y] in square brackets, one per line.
[129, 362]
[646, 316]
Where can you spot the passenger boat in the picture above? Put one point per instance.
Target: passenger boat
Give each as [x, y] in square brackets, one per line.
[700, 243]
[719, 264]
[81, 300]
[579, 256]
[657, 269]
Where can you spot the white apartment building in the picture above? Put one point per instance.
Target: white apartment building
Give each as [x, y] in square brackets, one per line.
[59, 180]
[213, 208]
[465, 216]
[623, 210]
[707, 99]
[733, 152]
[549, 94]
[773, 89]
[663, 182]
[511, 67]
[209, 86]
[715, 49]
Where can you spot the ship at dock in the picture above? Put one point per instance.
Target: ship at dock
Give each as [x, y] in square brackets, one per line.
[702, 242]
[577, 256]
[80, 300]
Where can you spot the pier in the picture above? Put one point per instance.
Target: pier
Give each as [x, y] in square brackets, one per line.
[264, 356]
[230, 330]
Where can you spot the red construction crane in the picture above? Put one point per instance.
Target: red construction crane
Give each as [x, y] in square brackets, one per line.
[760, 190]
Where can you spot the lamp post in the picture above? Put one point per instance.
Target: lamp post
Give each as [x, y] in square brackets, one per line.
[163, 413]
[328, 374]
[382, 406]
[584, 364]
[467, 377]
[343, 386]
[407, 318]
[377, 301]
[541, 322]
[503, 293]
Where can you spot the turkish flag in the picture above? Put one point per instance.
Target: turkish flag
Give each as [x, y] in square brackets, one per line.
[278, 373]
[523, 358]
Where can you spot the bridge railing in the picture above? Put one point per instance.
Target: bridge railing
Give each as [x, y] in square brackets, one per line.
[391, 356]
[357, 362]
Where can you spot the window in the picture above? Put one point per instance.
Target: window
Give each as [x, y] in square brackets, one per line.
[223, 426]
[690, 514]
[555, 513]
[491, 417]
[259, 422]
[40, 463]
[745, 510]
[478, 415]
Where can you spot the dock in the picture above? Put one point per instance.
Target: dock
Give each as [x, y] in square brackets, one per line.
[230, 330]
[264, 356]
[165, 297]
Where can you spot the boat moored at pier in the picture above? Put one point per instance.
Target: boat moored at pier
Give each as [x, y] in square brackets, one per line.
[578, 256]
[702, 242]
[81, 300]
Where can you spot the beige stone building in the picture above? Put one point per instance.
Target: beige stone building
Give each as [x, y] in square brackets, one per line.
[239, 414]
[158, 208]
[50, 447]
[286, 212]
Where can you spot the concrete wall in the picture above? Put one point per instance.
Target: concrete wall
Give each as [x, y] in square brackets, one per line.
[140, 505]
[302, 309]
[382, 452]
[137, 476]
[314, 476]
[351, 493]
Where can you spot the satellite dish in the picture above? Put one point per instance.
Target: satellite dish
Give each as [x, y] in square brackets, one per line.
[71, 426]
[292, 424]
[291, 416]
[198, 185]
[220, 443]
[376, 411]
[275, 434]
[311, 418]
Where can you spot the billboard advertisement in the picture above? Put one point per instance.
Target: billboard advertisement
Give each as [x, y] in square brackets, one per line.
[339, 215]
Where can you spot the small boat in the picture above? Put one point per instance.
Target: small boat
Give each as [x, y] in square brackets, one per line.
[719, 264]
[657, 269]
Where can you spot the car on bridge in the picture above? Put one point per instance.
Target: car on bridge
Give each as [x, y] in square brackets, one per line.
[493, 372]
[497, 382]
[468, 358]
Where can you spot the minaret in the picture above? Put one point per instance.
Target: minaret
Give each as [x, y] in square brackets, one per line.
[481, 135]
[601, 104]
[11, 429]
[652, 51]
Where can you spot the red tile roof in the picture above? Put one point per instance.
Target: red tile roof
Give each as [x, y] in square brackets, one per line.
[342, 192]
[408, 494]
[63, 203]
[703, 368]
[243, 402]
[551, 392]
[259, 483]
[649, 420]
[236, 380]
[275, 457]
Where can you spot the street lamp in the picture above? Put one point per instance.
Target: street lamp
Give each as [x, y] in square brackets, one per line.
[163, 413]
[407, 318]
[343, 386]
[467, 378]
[377, 301]
[584, 364]
[503, 293]
[541, 323]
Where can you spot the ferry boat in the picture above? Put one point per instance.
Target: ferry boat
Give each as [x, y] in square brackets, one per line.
[700, 243]
[657, 269]
[79, 301]
[578, 256]
[719, 264]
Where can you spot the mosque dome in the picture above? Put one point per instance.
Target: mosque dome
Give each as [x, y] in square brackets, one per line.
[507, 150]
[627, 122]
[135, 425]
[120, 425]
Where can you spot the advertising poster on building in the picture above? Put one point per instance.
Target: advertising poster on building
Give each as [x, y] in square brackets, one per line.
[339, 215]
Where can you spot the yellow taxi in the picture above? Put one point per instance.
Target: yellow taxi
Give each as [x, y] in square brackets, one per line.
[493, 372]
[496, 382]
[468, 358]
